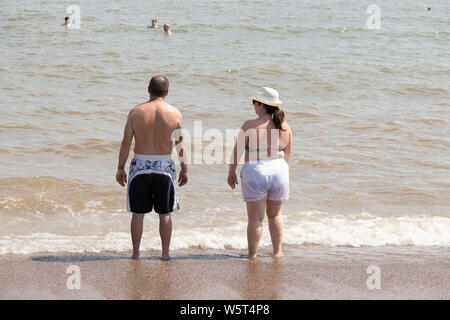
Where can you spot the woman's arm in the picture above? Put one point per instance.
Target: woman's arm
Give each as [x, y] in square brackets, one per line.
[238, 150]
[288, 149]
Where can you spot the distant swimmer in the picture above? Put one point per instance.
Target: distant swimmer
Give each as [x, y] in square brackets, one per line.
[154, 24]
[429, 8]
[167, 29]
[67, 22]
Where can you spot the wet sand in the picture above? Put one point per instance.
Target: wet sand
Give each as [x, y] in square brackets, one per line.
[306, 272]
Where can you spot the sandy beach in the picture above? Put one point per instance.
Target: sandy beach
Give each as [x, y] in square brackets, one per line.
[307, 272]
[368, 215]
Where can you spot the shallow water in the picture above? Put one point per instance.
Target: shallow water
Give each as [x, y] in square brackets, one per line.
[368, 108]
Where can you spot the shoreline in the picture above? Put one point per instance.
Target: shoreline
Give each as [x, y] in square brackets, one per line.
[305, 272]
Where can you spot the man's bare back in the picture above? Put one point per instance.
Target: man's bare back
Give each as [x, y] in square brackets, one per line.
[153, 124]
[152, 171]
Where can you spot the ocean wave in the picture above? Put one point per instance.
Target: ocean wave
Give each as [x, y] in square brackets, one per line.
[73, 112]
[29, 196]
[78, 150]
[370, 230]
[18, 127]
[312, 227]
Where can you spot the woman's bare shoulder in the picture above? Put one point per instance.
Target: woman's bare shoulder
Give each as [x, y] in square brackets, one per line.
[285, 126]
[249, 124]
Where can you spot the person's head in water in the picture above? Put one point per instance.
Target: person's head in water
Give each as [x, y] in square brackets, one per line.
[154, 23]
[267, 101]
[158, 87]
[67, 21]
[167, 29]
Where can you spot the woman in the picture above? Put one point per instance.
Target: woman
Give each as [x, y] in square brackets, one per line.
[267, 142]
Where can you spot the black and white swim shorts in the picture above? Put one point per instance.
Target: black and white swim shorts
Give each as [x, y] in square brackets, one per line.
[152, 184]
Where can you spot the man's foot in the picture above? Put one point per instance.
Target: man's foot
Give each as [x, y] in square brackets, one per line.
[165, 257]
[135, 256]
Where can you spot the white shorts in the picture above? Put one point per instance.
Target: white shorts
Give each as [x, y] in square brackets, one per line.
[266, 178]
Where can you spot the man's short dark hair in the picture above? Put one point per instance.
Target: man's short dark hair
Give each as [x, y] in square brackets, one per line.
[158, 87]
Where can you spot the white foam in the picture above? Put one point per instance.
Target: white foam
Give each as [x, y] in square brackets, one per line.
[311, 227]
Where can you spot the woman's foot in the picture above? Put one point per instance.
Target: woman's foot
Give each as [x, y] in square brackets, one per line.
[278, 255]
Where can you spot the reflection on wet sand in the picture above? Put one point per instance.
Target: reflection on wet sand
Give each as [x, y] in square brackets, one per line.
[304, 273]
[150, 282]
[260, 279]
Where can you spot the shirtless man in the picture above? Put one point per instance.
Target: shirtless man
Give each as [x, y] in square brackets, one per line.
[152, 176]
[167, 30]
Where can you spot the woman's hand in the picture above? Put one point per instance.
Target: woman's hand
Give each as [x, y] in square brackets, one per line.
[232, 180]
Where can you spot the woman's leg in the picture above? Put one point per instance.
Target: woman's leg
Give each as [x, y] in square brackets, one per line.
[275, 225]
[255, 212]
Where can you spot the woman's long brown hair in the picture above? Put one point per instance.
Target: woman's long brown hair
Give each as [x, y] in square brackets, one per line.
[278, 115]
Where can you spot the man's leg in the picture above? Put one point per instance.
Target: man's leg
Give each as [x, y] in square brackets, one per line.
[275, 225]
[165, 232]
[255, 212]
[137, 226]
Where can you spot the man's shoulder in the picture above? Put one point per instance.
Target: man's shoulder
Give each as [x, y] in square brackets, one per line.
[146, 107]
[172, 109]
[139, 107]
[134, 111]
[138, 111]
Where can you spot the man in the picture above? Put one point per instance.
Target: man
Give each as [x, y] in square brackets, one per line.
[167, 29]
[152, 176]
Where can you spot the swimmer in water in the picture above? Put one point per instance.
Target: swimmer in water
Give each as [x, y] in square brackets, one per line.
[67, 22]
[167, 29]
[154, 24]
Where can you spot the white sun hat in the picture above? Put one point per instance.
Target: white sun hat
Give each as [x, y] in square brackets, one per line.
[268, 96]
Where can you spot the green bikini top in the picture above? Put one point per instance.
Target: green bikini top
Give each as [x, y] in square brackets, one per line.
[248, 149]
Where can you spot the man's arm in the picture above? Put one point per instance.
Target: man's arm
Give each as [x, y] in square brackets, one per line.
[128, 134]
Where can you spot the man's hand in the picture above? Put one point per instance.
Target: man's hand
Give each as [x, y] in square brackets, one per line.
[182, 178]
[121, 177]
[232, 180]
